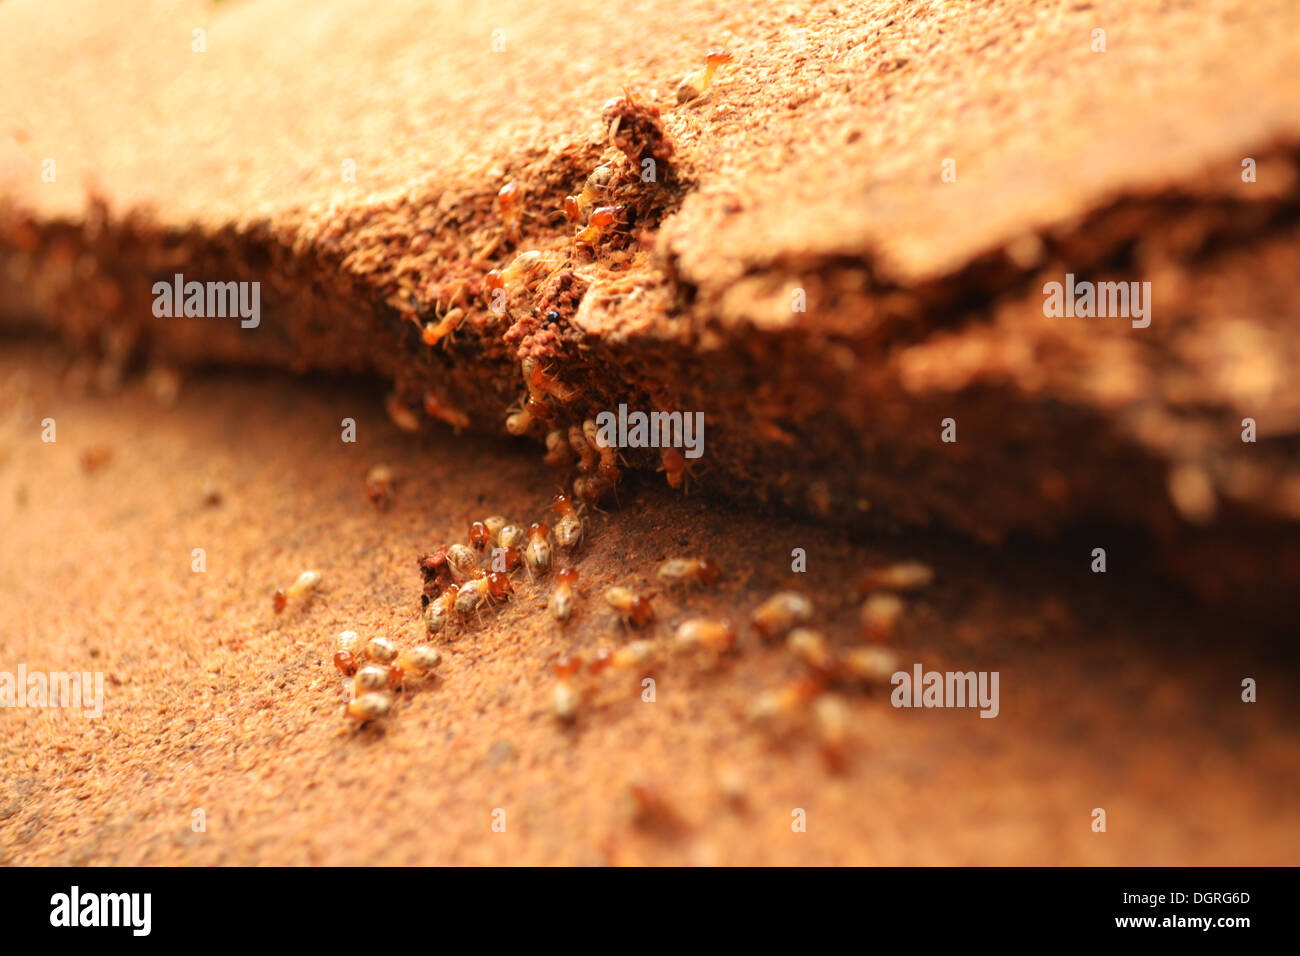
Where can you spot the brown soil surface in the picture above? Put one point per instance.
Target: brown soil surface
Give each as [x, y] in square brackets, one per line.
[812, 164]
[1114, 693]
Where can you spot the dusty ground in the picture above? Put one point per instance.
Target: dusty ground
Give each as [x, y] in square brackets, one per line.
[813, 164]
[1115, 691]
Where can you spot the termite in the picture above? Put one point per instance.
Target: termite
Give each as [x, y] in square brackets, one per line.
[632, 608]
[506, 559]
[568, 529]
[786, 701]
[420, 659]
[588, 458]
[675, 467]
[871, 665]
[520, 419]
[379, 486]
[508, 204]
[810, 647]
[512, 536]
[592, 488]
[306, 583]
[713, 635]
[608, 467]
[879, 615]
[562, 599]
[485, 589]
[537, 553]
[435, 407]
[558, 453]
[833, 719]
[479, 538]
[438, 613]
[564, 702]
[686, 571]
[541, 384]
[494, 524]
[566, 665]
[601, 219]
[462, 562]
[634, 656]
[695, 84]
[346, 662]
[903, 576]
[401, 416]
[522, 268]
[371, 706]
[372, 677]
[435, 332]
[575, 207]
[349, 641]
[781, 612]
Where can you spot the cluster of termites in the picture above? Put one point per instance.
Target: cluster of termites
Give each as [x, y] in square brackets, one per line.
[575, 672]
[787, 615]
[600, 218]
[460, 580]
[593, 213]
[376, 671]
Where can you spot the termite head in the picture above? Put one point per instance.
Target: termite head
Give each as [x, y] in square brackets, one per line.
[562, 505]
[499, 586]
[606, 216]
[478, 536]
[572, 212]
[507, 196]
[717, 58]
[346, 662]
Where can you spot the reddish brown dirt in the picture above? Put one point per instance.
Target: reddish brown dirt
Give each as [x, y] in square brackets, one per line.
[814, 163]
[1114, 692]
